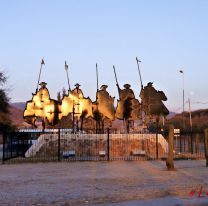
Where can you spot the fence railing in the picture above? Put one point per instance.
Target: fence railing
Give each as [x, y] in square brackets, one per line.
[63, 145]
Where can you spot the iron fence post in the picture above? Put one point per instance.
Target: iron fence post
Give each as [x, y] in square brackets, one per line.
[157, 145]
[18, 145]
[184, 140]
[206, 145]
[169, 161]
[3, 155]
[108, 143]
[192, 149]
[59, 144]
[180, 143]
[10, 145]
[157, 130]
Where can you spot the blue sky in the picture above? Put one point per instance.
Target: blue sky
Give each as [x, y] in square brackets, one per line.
[166, 35]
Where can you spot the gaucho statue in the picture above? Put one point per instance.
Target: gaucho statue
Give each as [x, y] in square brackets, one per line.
[152, 101]
[42, 107]
[76, 104]
[128, 108]
[103, 107]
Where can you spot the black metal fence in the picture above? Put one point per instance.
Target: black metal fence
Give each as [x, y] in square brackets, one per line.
[63, 145]
[189, 145]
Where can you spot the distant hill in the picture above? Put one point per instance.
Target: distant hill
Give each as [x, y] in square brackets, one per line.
[171, 114]
[199, 120]
[19, 105]
[16, 114]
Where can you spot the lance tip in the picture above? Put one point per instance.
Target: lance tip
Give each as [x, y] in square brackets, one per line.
[138, 60]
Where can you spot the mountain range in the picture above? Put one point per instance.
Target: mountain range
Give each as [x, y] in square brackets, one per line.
[16, 114]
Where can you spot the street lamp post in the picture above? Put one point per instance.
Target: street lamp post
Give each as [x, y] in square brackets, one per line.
[182, 72]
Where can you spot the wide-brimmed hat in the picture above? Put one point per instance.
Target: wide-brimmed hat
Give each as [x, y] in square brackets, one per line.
[43, 84]
[127, 86]
[77, 85]
[149, 83]
[103, 86]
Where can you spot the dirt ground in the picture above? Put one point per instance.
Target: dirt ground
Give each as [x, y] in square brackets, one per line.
[104, 183]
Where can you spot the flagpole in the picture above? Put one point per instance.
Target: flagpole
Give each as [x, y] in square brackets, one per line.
[42, 62]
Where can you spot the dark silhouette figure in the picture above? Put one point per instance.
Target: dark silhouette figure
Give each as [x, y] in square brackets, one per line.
[152, 101]
[128, 108]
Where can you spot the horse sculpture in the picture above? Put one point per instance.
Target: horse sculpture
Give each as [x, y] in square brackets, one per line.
[152, 103]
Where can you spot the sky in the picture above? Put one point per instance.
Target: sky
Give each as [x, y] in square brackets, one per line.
[167, 36]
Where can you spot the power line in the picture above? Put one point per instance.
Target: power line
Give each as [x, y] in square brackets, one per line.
[199, 102]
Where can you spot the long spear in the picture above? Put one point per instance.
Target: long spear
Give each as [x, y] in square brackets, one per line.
[42, 63]
[138, 61]
[114, 69]
[66, 68]
[97, 120]
[97, 75]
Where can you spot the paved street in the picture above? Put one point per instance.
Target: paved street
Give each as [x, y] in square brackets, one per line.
[103, 183]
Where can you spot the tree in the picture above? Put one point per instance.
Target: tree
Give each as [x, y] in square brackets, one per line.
[5, 122]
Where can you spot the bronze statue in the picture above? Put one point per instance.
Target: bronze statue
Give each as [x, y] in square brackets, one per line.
[103, 107]
[41, 106]
[76, 104]
[128, 107]
[105, 103]
[76, 100]
[152, 101]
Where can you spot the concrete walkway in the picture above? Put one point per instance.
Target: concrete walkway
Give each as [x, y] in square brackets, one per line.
[103, 183]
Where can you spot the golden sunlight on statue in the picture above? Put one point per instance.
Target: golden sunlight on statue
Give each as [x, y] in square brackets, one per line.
[42, 107]
[76, 103]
